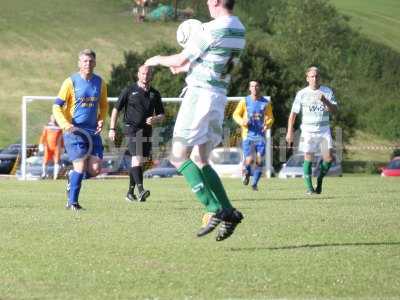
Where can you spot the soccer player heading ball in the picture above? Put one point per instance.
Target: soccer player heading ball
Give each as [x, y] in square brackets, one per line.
[207, 58]
[315, 102]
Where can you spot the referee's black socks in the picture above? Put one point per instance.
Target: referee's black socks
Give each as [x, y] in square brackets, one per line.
[137, 174]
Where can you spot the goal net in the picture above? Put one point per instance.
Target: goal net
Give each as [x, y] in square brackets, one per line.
[36, 111]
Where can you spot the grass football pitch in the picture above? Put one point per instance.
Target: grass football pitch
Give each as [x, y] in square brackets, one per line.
[344, 243]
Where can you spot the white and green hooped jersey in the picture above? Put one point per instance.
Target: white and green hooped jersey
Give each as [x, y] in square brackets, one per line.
[314, 116]
[214, 52]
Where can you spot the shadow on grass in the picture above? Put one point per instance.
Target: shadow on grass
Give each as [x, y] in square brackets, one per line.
[311, 246]
[316, 197]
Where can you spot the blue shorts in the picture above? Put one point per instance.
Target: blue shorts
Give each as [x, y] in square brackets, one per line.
[253, 145]
[81, 144]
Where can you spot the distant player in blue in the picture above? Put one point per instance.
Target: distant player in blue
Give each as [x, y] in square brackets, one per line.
[254, 115]
[80, 109]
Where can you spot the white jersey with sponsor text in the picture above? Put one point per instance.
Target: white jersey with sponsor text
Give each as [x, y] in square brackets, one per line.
[315, 118]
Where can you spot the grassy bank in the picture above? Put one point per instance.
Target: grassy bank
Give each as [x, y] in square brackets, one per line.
[41, 39]
[378, 20]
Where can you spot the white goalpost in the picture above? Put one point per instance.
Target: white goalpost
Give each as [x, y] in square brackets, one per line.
[26, 100]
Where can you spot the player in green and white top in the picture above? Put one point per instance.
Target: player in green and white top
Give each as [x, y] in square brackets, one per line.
[214, 52]
[316, 102]
[208, 59]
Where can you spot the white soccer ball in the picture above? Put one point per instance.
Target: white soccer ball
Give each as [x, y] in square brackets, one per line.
[187, 30]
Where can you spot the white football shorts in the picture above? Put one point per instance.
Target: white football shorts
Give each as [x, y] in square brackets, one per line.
[316, 142]
[200, 117]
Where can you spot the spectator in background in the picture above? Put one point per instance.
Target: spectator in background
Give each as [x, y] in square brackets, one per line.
[51, 143]
[141, 9]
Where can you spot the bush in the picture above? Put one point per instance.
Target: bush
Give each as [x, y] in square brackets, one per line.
[167, 84]
[372, 167]
[396, 152]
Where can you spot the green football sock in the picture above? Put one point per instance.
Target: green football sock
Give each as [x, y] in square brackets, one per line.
[325, 166]
[307, 175]
[214, 182]
[194, 177]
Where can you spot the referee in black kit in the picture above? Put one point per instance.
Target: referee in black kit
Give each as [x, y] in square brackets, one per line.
[142, 108]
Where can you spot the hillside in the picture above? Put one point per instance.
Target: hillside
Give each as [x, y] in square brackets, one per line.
[379, 20]
[41, 39]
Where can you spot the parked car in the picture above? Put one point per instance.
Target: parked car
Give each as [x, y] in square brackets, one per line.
[227, 162]
[31, 149]
[114, 164]
[294, 167]
[161, 170]
[392, 168]
[34, 167]
[8, 159]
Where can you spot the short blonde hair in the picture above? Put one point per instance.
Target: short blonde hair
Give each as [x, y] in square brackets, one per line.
[312, 68]
[88, 52]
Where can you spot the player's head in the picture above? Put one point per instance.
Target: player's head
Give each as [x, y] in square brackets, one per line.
[255, 88]
[145, 74]
[218, 7]
[313, 77]
[87, 61]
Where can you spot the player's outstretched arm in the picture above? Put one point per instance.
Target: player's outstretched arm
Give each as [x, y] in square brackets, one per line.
[174, 61]
[178, 70]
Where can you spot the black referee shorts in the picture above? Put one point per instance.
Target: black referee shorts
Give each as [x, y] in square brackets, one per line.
[139, 142]
[139, 146]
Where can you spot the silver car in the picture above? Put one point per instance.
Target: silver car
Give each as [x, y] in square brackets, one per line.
[34, 167]
[294, 167]
[163, 169]
[227, 162]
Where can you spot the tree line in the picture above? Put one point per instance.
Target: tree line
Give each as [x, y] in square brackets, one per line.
[284, 37]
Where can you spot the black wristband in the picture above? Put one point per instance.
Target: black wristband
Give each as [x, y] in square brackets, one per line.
[112, 128]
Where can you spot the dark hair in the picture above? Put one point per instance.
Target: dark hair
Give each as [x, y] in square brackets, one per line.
[255, 80]
[228, 4]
